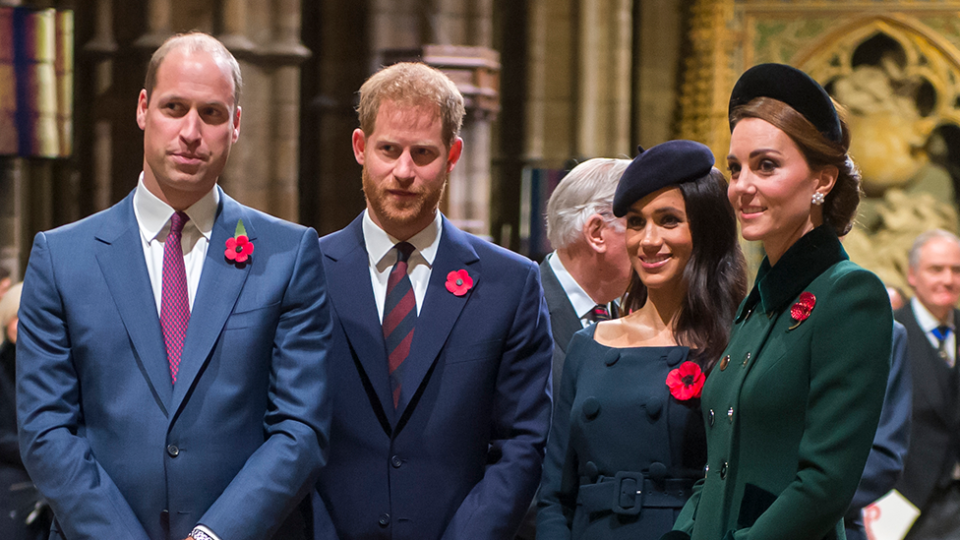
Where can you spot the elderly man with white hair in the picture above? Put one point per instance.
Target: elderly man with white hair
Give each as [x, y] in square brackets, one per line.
[589, 268]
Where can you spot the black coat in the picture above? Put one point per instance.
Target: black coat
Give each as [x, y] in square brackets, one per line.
[18, 496]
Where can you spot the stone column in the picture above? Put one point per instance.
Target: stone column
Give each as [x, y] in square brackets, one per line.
[101, 50]
[159, 18]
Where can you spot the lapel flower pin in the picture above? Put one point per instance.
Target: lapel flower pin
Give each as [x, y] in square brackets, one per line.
[686, 381]
[239, 248]
[459, 282]
[801, 310]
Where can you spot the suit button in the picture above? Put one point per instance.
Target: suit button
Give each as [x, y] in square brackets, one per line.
[710, 416]
[730, 414]
[591, 407]
[724, 362]
[173, 451]
[723, 470]
[396, 462]
[745, 360]
[384, 520]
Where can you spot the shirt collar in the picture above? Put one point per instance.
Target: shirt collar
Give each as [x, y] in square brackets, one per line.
[806, 259]
[925, 319]
[153, 215]
[379, 244]
[579, 299]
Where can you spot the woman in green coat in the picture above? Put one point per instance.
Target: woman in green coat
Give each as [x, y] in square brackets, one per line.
[792, 406]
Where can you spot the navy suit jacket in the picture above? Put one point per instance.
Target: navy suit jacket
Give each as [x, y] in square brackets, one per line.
[121, 452]
[460, 457]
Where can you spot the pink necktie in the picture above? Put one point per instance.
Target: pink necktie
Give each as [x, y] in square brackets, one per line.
[174, 302]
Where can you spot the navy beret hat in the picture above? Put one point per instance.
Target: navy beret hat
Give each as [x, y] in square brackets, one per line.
[793, 87]
[666, 164]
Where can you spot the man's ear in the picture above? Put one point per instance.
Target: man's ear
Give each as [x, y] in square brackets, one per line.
[593, 233]
[454, 156]
[236, 124]
[911, 278]
[359, 144]
[142, 109]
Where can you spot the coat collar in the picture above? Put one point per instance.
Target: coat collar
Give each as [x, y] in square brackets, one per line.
[806, 259]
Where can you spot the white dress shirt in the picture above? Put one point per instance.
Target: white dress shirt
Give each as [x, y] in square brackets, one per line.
[380, 245]
[929, 323]
[153, 219]
[582, 303]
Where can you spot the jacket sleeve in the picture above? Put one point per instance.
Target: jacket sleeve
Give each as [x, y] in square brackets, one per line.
[495, 506]
[849, 365]
[560, 483]
[297, 421]
[885, 462]
[55, 451]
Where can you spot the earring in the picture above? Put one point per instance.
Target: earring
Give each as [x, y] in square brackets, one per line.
[817, 198]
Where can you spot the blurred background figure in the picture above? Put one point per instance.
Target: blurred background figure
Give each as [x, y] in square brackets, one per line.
[5, 281]
[627, 441]
[897, 297]
[931, 474]
[24, 515]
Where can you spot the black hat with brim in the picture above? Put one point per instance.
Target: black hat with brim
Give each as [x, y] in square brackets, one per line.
[667, 164]
[793, 87]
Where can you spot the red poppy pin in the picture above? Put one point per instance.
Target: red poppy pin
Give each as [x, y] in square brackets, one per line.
[801, 310]
[686, 381]
[459, 282]
[239, 248]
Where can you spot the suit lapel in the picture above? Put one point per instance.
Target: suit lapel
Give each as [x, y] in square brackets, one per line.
[440, 309]
[220, 284]
[119, 253]
[563, 319]
[349, 287]
[928, 366]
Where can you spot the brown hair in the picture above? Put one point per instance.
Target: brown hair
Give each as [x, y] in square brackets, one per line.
[412, 84]
[840, 205]
[194, 42]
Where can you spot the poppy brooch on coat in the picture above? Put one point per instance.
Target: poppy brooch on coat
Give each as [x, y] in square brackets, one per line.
[459, 282]
[686, 382]
[239, 248]
[801, 310]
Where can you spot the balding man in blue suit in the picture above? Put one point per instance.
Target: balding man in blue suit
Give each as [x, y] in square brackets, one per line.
[441, 348]
[171, 382]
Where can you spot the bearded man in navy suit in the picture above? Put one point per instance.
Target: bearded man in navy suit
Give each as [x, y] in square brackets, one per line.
[441, 341]
[171, 381]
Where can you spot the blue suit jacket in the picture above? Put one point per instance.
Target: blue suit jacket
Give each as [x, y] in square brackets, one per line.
[118, 450]
[461, 455]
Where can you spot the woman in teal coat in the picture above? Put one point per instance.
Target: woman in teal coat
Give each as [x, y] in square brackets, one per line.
[792, 406]
[627, 440]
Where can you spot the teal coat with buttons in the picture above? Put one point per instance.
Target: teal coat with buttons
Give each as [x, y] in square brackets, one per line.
[792, 407]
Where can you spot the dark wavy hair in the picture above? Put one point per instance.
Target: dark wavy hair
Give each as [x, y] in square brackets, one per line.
[840, 205]
[715, 275]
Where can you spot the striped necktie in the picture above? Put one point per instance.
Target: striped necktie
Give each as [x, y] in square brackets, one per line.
[399, 318]
[599, 313]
